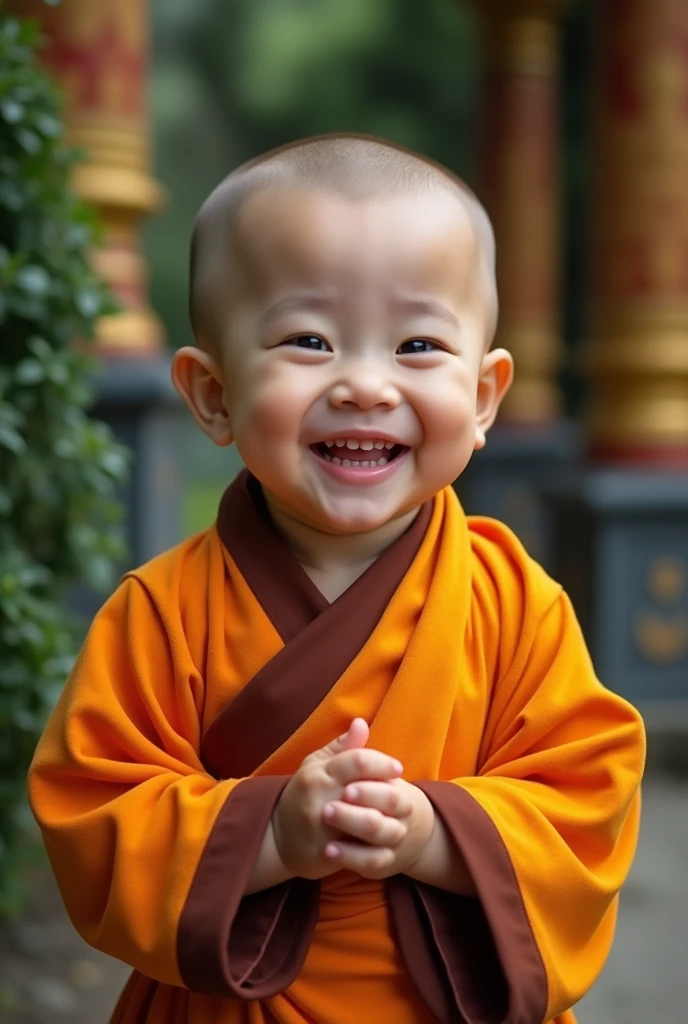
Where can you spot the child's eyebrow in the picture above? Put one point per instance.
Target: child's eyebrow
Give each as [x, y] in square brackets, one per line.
[299, 302]
[317, 302]
[427, 307]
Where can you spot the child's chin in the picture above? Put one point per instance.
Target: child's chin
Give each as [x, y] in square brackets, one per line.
[345, 521]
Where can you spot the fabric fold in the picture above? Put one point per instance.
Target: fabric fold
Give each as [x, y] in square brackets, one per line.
[250, 946]
[485, 957]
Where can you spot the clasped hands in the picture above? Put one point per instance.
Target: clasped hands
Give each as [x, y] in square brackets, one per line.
[348, 808]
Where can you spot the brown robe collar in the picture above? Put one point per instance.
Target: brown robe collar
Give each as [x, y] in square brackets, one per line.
[320, 639]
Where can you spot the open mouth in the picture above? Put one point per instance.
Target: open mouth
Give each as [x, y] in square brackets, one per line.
[366, 454]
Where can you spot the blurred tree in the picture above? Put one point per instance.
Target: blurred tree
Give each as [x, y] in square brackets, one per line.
[59, 470]
[232, 80]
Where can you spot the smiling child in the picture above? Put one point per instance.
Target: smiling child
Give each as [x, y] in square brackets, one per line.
[343, 756]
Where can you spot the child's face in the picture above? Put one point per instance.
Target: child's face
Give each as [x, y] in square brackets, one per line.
[363, 321]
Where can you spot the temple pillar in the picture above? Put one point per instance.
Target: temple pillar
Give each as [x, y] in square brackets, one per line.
[638, 356]
[629, 510]
[519, 182]
[520, 185]
[98, 54]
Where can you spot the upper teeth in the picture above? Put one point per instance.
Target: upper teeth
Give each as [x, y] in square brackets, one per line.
[353, 443]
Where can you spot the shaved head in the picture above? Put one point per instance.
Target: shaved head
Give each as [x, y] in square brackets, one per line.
[357, 167]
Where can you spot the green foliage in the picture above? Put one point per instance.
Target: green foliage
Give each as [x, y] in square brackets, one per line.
[59, 470]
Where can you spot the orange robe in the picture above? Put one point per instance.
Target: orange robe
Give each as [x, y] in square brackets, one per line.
[211, 673]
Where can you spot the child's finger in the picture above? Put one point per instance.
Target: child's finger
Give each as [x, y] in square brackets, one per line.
[355, 736]
[368, 861]
[363, 763]
[386, 797]
[364, 823]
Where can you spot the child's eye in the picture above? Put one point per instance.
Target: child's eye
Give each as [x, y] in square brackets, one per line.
[415, 346]
[309, 341]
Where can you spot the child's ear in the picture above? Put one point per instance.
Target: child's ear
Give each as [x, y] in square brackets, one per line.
[496, 375]
[198, 379]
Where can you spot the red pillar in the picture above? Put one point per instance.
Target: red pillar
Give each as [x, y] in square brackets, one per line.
[98, 52]
[520, 183]
[638, 356]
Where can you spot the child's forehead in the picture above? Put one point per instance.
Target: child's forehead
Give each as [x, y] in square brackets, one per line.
[313, 228]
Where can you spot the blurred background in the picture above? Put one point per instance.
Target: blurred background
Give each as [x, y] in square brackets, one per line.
[570, 121]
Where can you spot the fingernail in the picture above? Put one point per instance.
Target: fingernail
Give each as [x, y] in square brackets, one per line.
[332, 851]
[398, 767]
[328, 811]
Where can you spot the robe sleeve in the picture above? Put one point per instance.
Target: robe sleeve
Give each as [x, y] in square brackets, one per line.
[152, 855]
[548, 830]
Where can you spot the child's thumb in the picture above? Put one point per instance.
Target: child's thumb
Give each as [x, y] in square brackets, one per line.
[355, 736]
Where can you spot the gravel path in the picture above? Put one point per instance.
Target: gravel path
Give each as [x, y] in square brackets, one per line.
[47, 973]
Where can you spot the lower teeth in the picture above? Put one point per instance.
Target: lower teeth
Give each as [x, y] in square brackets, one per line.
[356, 465]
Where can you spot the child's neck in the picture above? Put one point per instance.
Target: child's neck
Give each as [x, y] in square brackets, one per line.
[335, 561]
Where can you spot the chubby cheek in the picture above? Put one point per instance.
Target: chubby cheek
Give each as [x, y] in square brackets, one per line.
[449, 433]
[267, 412]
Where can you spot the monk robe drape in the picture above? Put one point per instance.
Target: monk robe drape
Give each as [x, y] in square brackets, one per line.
[216, 668]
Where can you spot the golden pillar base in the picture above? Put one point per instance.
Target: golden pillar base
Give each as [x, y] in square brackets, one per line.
[534, 397]
[638, 356]
[97, 51]
[520, 183]
[639, 386]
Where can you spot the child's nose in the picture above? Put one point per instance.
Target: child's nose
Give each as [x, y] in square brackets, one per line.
[364, 387]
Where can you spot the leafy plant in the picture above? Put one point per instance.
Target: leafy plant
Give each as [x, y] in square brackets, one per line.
[59, 470]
